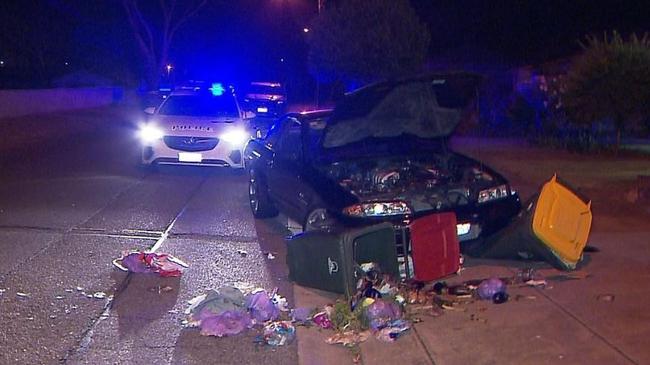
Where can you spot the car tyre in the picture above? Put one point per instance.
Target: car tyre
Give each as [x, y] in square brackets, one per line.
[258, 196]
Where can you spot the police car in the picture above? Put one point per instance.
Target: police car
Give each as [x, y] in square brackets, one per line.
[196, 127]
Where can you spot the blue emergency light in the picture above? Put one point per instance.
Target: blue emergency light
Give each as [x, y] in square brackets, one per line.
[217, 89]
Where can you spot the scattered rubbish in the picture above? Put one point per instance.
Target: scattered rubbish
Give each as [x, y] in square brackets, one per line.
[301, 315]
[348, 338]
[162, 264]
[322, 320]
[160, 289]
[500, 298]
[227, 323]
[227, 311]
[460, 291]
[393, 330]
[606, 297]
[536, 283]
[23, 295]
[261, 306]
[99, 295]
[279, 333]
[243, 286]
[270, 256]
[2, 291]
[213, 303]
[381, 313]
[280, 302]
[242, 253]
[488, 288]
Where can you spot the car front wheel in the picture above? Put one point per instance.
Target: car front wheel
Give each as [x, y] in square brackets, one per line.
[258, 197]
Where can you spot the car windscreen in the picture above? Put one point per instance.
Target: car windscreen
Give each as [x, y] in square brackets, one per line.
[200, 105]
[265, 89]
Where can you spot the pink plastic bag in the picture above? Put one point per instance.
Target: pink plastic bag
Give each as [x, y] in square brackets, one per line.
[228, 323]
[141, 262]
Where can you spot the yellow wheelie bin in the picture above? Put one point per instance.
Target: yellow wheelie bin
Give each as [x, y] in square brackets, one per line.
[554, 226]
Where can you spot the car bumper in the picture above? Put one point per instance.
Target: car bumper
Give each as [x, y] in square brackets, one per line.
[223, 155]
[474, 221]
[266, 107]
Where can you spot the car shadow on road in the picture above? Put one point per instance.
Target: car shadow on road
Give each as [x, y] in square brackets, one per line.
[204, 171]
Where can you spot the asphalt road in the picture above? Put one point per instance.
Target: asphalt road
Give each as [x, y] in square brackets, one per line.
[69, 206]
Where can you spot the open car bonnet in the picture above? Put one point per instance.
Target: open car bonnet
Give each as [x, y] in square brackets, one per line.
[427, 107]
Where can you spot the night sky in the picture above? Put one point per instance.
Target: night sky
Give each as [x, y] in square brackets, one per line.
[251, 37]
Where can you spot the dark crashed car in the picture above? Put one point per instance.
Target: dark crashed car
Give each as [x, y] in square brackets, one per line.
[380, 155]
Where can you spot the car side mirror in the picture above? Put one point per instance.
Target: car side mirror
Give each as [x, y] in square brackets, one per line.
[249, 114]
[150, 110]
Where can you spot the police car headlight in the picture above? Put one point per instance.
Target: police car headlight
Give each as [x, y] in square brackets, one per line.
[150, 132]
[235, 137]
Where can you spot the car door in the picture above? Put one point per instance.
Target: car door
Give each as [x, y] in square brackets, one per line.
[285, 175]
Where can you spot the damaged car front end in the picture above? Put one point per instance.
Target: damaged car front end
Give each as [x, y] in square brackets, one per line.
[380, 156]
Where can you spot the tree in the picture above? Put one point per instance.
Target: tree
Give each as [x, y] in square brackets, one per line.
[361, 41]
[610, 81]
[155, 38]
[34, 39]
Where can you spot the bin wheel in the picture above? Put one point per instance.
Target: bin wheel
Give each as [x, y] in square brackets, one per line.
[258, 196]
[319, 219]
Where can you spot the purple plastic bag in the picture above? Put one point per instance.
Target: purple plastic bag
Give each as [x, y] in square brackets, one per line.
[487, 288]
[381, 312]
[300, 314]
[261, 307]
[227, 323]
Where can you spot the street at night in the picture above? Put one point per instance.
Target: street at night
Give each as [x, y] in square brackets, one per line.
[70, 207]
[74, 206]
[318, 182]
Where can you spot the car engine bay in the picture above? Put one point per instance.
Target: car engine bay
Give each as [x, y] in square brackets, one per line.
[439, 182]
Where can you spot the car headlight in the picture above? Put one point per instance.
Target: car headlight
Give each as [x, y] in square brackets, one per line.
[463, 228]
[235, 137]
[494, 193]
[377, 209]
[150, 132]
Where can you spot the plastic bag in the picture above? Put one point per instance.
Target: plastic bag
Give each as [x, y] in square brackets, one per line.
[227, 323]
[261, 306]
[382, 312]
[279, 333]
[162, 264]
[489, 287]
